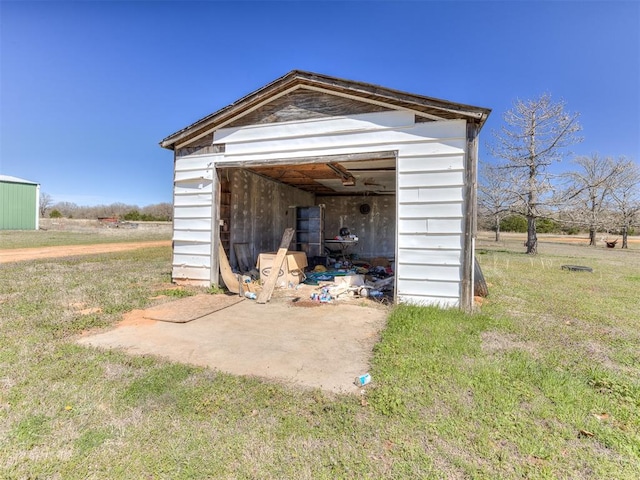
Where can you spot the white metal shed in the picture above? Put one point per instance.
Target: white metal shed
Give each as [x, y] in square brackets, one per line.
[309, 139]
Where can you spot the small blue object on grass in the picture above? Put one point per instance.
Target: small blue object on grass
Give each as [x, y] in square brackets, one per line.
[362, 380]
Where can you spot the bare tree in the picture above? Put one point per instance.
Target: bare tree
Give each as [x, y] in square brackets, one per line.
[536, 134]
[67, 209]
[626, 197]
[45, 203]
[589, 192]
[159, 210]
[494, 196]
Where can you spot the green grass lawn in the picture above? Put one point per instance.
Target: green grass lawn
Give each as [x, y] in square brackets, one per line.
[41, 238]
[544, 383]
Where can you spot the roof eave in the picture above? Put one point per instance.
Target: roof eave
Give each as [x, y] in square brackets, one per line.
[472, 113]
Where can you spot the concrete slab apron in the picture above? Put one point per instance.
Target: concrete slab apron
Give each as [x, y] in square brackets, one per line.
[323, 347]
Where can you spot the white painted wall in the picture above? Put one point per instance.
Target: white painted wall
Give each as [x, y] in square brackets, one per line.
[38, 207]
[192, 217]
[430, 195]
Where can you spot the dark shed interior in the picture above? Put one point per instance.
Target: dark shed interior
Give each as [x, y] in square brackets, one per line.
[258, 203]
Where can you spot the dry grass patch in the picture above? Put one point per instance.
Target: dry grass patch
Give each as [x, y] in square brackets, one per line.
[500, 342]
[542, 384]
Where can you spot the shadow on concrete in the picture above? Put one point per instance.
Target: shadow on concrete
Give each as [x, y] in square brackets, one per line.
[324, 347]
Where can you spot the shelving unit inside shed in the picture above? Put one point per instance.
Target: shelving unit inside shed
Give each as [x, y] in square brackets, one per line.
[310, 230]
[225, 215]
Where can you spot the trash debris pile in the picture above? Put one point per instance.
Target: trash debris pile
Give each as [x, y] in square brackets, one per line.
[350, 279]
[334, 278]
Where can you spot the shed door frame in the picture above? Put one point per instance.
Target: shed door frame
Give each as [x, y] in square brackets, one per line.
[457, 140]
[219, 167]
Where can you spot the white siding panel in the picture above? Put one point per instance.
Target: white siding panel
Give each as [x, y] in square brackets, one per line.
[191, 236]
[443, 147]
[192, 212]
[429, 288]
[412, 225]
[198, 261]
[431, 257]
[351, 123]
[430, 190]
[192, 219]
[188, 248]
[428, 163]
[406, 195]
[199, 224]
[440, 225]
[202, 162]
[300, 144]
[424, 300]
[191, 273]
[351, 139]
[442, 194]
[430, 179]
[428, 241]
[283, 156]
[186, 188]
[428, 272]
[193, 200]
[421, 225]
[442, 129]
[431, 210]
[436, 194]
[193, 176]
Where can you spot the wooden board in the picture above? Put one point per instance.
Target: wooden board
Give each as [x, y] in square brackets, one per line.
[305, 104]
[267, 290]
[228, 277]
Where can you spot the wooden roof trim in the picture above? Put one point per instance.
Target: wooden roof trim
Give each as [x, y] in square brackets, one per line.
[398, 95]
[255, 96]
[313, 88]
[295, 79]
[232, 118]
[372, 101]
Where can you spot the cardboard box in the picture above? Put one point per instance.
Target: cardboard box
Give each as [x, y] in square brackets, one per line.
[292, 271]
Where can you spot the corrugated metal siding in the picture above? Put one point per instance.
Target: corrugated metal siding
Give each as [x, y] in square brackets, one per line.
[18, 206]
[192, 199]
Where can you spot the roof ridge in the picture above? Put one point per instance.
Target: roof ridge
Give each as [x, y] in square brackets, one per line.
[364, 91]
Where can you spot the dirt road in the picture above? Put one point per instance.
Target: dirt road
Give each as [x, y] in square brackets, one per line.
[21, 254]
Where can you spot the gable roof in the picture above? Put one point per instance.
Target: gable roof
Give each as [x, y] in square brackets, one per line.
[431, 109]
[10, 179]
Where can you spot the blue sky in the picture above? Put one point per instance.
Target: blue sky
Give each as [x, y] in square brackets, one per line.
[88, 89]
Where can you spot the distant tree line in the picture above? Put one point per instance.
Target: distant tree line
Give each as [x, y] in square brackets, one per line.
[599, 196]
[159, 212]
[519, 193]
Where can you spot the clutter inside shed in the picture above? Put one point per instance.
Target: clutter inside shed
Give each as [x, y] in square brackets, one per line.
[327, 269]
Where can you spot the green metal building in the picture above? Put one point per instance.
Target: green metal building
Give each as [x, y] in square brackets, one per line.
[19, 204]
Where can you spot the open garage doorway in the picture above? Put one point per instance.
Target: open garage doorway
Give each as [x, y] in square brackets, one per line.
[342, 208]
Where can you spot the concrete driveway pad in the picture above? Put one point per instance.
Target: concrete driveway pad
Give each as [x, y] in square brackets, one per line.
[322, 347]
